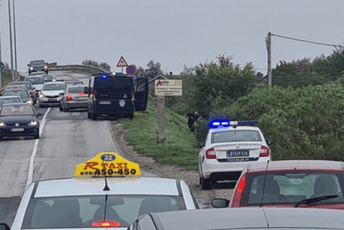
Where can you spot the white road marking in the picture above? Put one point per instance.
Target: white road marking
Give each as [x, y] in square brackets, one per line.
[34, 150]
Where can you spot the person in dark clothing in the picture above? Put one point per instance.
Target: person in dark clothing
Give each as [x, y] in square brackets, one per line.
[192, 120]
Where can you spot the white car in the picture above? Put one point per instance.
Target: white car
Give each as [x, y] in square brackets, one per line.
[50, 95]
[37, 81]
[229, 147]
[88, 201]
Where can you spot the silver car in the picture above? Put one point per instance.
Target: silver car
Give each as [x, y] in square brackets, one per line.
[50, 94]
[243, 218]
[74, 98]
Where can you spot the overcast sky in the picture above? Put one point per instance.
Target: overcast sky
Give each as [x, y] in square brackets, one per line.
[172, 32]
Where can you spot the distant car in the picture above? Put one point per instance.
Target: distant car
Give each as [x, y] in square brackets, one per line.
[29, 87]
[22, 93]
[10, 99]
[243, 218]
[48, 78]
[37, 82]
[18, 119]
[229, 147]
[289, 183]
[37, 65]
[74, 98]
[50, 94]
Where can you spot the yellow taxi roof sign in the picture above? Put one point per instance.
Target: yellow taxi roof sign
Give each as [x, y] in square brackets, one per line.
[107, 164]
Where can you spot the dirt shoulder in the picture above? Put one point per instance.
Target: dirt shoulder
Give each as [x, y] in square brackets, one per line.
[190, 177]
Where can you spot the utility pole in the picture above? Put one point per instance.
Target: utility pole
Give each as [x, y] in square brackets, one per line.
[268, 46]
[15, 39]
[11, 43]
[0, 58]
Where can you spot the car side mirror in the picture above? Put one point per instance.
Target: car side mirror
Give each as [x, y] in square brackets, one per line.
[86, 90]
[268, 142]
[38, 114]
[4, 226]
[28, 64]
[197, 145]
[61, 94]
[220, 203]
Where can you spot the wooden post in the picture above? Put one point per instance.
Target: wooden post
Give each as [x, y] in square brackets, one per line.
[161, 118]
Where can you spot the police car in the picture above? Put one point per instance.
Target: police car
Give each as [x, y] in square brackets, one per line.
[107, 191]
[229, 146]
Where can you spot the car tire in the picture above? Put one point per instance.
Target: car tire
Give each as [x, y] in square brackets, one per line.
[66, 109]
[88, 115]
[40, 105]
[200, 179]
[94, 116]
[131, 116]
[206, 183]
[61, 109]
[37, 135]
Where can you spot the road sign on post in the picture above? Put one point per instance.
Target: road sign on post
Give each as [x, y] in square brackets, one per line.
[131, 70]
[165, 87]
[122, 63]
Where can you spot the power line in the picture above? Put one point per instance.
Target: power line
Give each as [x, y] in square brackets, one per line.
[301, 40]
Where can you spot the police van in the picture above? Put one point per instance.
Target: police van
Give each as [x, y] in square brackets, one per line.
[116, 94]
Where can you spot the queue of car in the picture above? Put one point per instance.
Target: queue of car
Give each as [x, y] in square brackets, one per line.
[109, 191]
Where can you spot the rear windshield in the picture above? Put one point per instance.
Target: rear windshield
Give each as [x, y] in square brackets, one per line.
[20, 93]
[35, 80]
[235, 136]
[76, 89]
[113, 85]
[292, 187]
[87, 212]
[16, 110]
[53, 87]
[9, 100]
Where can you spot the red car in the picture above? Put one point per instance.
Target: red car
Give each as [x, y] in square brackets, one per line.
[293, 183]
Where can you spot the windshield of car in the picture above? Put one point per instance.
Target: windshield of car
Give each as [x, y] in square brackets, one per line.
[20, 93]
[292, 187]
[37, 63]
[48, 77]
[76, 89]
[21, 110]
[235, 136]
[53, 87]
[9, 100]
[27, 85]
[35, 80]
[87, 212]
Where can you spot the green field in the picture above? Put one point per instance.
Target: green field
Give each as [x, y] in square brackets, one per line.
[177, 149]
[5, 79]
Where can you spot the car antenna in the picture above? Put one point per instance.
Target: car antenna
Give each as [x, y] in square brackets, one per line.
[266, 171]
[106, 188]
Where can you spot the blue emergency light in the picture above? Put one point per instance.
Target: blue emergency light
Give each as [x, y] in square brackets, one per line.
[105, 76]
[218, 123]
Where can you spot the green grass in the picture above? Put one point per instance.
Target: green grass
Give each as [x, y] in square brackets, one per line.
[6, 78]
[177, 149]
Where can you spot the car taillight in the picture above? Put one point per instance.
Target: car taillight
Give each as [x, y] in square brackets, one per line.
[210, 153]
[264, 151]
[69, 97]
[236, 200]
[132, 97]
[94, 96]
[106, 223]
[81, 94]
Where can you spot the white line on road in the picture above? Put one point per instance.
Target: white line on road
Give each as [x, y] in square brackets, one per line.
[34, 150]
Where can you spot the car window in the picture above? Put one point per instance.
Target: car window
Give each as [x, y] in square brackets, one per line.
[53, 87]
[235, 136]
[8, 100]
[76, 89]
[16, 110]
[87, 212]
[290, 188]
[35, 80]
[113, 85]
[22, 93]
[37, 63]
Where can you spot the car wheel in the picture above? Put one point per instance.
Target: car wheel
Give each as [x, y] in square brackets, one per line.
[206, 183]
[88, 115]
[0, 138]
[94, 116]
[61, 109]
[66, 109]
[40, 105]
[37, 135]
[200, 179]
[131, 116]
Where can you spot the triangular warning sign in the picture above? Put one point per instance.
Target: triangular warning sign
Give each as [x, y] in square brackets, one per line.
[122, 62]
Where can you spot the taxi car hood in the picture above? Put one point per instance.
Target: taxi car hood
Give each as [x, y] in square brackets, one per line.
[17, 119]
[52, 92]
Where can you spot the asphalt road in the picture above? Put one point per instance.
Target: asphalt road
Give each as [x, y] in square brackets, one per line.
[67, 139]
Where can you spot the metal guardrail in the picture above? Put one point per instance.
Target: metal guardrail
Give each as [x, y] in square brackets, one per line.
[80, 67]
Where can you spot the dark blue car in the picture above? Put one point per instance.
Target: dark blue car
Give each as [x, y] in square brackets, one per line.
[18, 120]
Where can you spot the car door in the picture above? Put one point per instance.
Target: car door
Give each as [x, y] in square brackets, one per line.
[141, 93]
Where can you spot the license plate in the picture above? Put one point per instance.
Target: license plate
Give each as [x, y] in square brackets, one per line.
[52, 100]
[17, 129]
[238, 159]
[105, 102]
[238, 153]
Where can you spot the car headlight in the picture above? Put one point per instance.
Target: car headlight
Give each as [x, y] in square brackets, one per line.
[31, 68]
[45, 67]
[33, 123]
[2, 124]
[28, 102]
[41, 95]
